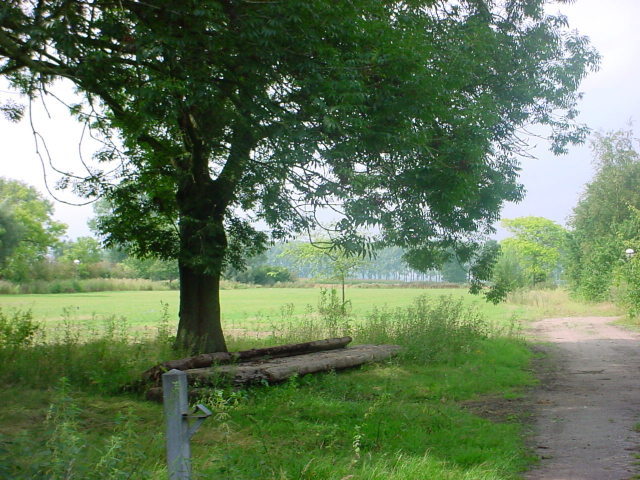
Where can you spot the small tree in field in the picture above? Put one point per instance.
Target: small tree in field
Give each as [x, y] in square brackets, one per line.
[326, 259]
[401, 115]
[537, 245]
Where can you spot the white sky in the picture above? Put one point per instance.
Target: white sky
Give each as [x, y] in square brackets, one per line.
[553, 184]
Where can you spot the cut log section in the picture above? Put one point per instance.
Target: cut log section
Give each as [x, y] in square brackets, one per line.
[219, 358]
[280, 369]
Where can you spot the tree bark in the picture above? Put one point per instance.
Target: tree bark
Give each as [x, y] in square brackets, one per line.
[203, 243]
[218, 358]
[200, 329]
[280, 369]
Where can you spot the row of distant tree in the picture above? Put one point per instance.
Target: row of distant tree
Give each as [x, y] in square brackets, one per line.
[33, 247]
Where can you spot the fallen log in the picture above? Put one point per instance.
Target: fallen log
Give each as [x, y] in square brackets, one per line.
[280, 369]
[219, 358]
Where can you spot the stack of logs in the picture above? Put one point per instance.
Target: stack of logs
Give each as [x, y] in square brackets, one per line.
[269, 365]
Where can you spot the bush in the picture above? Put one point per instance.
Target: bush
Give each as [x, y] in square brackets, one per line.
[263, 275]
[87, 285]
[17, 330]
[626, 291]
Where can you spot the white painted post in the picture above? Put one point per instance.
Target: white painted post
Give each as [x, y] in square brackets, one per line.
[176, 409]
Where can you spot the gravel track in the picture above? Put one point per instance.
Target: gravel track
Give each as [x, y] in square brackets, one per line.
[588, 404]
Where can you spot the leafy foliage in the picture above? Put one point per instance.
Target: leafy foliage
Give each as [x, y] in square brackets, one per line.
[262, 275]
[84, 249]
[537, 246]
[402, 116]
[507, 272]
[152, 268]
[27, 229]
[454, 271]
[604, 223]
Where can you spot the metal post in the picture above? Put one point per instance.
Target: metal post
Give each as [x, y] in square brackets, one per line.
[176, 407]
[179, 431]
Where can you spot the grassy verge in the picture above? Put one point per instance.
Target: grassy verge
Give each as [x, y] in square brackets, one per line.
[403, 419]
[537, 304]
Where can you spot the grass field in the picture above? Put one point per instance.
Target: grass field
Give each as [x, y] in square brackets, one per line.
[262, 309]
[65, 416]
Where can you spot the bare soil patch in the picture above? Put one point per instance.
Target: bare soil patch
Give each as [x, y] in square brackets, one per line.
[588, 403]
[499, 409]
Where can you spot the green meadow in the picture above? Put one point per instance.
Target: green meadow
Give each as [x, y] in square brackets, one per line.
[251, 307]
[449, 407]
[263, 309]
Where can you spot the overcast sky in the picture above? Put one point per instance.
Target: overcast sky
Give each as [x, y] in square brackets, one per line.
[553, 184]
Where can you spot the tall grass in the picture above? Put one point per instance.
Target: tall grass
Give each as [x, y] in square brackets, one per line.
[558, 302]
[100, 359]
[67, 450]
[430, 329]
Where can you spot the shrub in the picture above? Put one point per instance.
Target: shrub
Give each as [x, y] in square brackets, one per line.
[17, 330]
[262, 275]
[626, 282]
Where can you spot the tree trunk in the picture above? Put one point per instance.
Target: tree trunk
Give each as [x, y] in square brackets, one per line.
[203, 243]
[200, 329]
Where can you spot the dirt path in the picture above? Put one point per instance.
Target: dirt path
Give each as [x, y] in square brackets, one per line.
[589, 401]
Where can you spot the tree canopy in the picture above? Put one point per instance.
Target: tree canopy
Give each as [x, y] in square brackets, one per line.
[403, 116]
[537, 246]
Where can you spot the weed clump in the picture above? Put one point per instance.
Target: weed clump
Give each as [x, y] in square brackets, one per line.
[430, 330]
[17, 330]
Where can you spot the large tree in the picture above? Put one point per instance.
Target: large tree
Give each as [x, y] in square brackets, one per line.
[27, 229]
[604, 222]
[402, 115]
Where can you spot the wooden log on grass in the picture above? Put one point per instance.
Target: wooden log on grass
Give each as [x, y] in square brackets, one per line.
[220, 358]
[280, 369]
